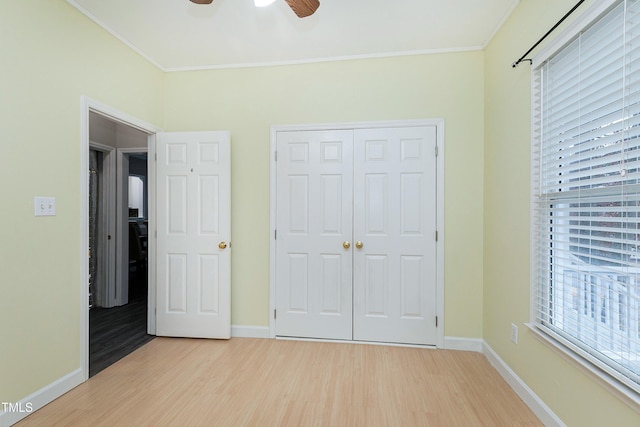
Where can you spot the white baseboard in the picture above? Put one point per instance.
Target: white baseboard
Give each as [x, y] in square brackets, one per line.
[42, 397]
[463, 344]
[241, 331]
[542, 411]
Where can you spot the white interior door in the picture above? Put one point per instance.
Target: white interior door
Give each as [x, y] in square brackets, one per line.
[314, 225]
[394, 282]
[194, 232]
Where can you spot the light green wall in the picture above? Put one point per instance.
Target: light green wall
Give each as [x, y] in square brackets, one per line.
[248, 101]
[574, 397]
[51, 56]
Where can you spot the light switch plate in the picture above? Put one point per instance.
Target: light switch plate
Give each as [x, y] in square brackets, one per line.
[44, 206]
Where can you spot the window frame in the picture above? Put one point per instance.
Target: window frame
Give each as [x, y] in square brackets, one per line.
[601, 372]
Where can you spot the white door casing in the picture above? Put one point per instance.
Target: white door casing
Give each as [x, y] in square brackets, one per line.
[393, 279]
[106, 280]
[194, 230]
[313, 266]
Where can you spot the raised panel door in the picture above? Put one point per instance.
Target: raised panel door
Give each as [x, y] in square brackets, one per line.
[394, 272]
[314, 219]
[193, 217]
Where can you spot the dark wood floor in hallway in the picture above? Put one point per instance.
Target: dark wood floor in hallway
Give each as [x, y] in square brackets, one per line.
[266, 382]
[116, 332]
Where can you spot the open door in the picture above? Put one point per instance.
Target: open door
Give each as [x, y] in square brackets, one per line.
[194, 231]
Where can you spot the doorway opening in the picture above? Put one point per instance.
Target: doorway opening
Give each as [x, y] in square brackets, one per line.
[119, 248]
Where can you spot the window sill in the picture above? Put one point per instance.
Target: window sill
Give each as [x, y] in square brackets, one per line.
[617, 388]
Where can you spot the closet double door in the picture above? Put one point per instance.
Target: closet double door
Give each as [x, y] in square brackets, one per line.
[356, 234]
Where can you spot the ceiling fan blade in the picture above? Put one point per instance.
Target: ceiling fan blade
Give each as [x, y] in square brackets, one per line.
[202, 1]
[303, 8]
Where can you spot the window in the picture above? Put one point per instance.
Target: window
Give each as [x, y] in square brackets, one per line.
[586, 195]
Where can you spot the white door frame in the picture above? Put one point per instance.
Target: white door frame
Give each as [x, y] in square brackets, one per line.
[122, 232]
[89, 105]
[439, 124]
[107, 264]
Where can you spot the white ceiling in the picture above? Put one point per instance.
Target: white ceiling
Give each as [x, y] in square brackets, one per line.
[177, 34]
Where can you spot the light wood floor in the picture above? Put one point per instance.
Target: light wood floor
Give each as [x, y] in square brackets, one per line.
[264, 382]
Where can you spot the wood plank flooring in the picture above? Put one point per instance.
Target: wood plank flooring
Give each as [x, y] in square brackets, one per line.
[116, 332]
[266, 382]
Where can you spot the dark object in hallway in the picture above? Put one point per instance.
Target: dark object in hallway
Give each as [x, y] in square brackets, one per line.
[116, 332]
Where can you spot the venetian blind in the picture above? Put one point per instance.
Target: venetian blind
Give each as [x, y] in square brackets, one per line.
[587, 194]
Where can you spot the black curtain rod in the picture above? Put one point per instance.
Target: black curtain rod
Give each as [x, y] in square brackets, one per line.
[522, 58]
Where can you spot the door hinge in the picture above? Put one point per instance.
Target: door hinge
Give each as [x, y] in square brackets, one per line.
[436, 235]
[436, 321]
[275, 234]
[155, 157]
[437, 151]
[275, 154]
[274, 313]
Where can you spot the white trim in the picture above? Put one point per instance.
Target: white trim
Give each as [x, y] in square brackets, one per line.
[440, 227]
[151, 235]
[439, 124]
[119, 116]
[539, 408]
[272, 227]
[504, 19]
[43, 396]
[122, 215]
[101, 147]
[107, 219]
[463, 344]
[386, 344]
[121, 294]
[108, 29]
[88, 105]
[588, 16]
[84, 237]
[243, 331]
[356, 125]
[595, 372]
[121, 291]
[324, 59]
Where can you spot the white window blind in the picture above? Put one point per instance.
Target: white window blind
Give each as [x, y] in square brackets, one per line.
[586, 185]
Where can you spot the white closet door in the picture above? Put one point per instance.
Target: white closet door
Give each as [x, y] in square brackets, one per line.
[194, 228]
[314, 220]
[395, 219]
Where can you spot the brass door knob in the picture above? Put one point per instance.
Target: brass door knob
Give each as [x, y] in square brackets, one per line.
[359, 244]
[346, 245]
[222, 245]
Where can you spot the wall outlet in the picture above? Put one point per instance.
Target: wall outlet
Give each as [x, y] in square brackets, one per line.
[44, 206]
[514, 333]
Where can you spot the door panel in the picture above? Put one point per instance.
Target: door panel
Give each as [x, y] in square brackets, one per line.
[193, 199]
[314, 219]
[394, 280]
